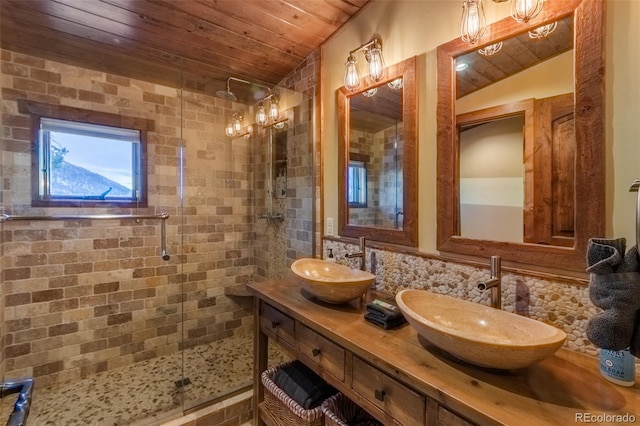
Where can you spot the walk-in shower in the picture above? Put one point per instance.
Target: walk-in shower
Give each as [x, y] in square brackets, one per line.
[128, 316]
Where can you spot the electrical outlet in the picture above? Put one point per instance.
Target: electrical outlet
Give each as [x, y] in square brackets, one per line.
[329, 226]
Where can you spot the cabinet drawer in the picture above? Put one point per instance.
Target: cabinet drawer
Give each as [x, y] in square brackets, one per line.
[447, 418]
[403, 404]
[324, 353]
[276, 325]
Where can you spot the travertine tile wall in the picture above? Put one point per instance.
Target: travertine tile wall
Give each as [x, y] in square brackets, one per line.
[87, 296]
[293, 236]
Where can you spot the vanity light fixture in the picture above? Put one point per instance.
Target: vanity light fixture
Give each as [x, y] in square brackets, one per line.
[274, 107]
[473, 24]
[525, 10]
[373, 55]
[491, 49]
[543, 31]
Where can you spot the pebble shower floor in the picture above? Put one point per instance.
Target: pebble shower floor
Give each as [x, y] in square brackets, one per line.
[143, 392]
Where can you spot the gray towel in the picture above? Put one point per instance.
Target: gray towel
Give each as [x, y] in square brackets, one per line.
[615, 288]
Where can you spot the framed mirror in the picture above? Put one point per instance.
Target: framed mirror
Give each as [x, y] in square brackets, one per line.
[561, 171]
[377, 161]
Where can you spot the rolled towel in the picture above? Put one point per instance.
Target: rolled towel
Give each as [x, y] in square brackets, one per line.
[618, 294]
[604, 255]
[303, 385]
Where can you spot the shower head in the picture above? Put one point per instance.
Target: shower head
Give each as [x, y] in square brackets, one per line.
[227, 94]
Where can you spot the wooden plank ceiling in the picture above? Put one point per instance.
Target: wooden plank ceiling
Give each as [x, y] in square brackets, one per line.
[517, 54]
[195, 44]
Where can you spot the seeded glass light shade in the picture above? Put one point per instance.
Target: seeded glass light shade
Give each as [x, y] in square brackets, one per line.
[351, 77]
[229, 130]
[525, 10]
[261, 115]
[376, 62]
[274, 110]
[473, 24]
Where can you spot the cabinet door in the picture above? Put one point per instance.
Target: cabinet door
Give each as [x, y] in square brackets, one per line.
[321, 351]
[397, 400]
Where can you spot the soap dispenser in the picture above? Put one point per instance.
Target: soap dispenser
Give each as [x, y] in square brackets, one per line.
[618, 367]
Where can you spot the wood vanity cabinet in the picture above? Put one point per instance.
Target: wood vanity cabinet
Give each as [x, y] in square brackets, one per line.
[402, 381]
[388, 399]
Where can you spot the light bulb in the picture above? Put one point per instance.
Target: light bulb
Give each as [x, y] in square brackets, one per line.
[274, 110]
[261, 115]
[351, 77]
[237, 124]
[473, 24]
[229, 130]
[525, 10]
[376, 62]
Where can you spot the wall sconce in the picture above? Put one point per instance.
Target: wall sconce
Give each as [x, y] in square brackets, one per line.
[234, 126]
[373, 55]
[261, 115]
[274, 107]
[473, 24]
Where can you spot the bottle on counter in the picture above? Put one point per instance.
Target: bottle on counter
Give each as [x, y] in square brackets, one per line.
[618, 367]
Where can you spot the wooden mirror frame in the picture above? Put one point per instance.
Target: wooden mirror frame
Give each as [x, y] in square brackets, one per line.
[590, 151]
[408, 235]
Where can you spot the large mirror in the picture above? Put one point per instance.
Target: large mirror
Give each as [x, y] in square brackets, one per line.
[538, 208]
[377, 163]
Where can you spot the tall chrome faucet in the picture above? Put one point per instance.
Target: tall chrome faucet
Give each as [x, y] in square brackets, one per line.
[494, 283]
[360, 254]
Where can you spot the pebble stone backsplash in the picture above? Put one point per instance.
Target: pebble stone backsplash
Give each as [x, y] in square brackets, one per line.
[563, 305]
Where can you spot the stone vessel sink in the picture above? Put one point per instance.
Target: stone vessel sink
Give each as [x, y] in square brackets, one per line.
[479, 334]
[331, 282]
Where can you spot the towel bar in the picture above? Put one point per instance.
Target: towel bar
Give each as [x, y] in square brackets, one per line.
[635, 187]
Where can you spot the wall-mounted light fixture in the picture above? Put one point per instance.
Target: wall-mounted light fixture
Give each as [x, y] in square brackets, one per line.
[525, 10]
[234, 127]
[473, 24]
[373, 55]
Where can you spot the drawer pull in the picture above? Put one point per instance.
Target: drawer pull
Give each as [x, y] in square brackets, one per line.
[315, 351]
[274, 324]
[380, 394]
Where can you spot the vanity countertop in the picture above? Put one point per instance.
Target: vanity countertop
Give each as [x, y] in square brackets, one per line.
[564, 389]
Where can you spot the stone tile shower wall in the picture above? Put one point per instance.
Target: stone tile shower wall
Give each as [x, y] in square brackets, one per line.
[294, 236]
[87, 296]
[561, 304]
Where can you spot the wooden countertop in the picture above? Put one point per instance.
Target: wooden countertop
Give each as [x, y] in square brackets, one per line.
[564, 389]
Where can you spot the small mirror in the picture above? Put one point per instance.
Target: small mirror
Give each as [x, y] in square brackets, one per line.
[377, 158]
[538, 208]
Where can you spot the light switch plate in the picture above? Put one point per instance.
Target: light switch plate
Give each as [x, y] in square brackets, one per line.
[330, 226]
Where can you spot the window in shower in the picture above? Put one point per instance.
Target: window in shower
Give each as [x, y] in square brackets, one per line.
[357, 190]
[87, 163]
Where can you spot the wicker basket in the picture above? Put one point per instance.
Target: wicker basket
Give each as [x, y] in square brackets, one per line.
[341, 411]
[284, 410]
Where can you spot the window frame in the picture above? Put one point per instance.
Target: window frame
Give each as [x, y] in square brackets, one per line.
[39, 110]
[362, 189]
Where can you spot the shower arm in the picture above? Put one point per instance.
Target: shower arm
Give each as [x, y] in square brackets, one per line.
[249, 82]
